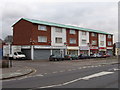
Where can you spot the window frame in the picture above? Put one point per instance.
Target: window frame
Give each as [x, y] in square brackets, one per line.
[84, 33]
[109, 43]
[95, 43]
[72, 31]
[57, 30]
[72, 42]
[39, 27]
[84, 43]
[58, 38]
[41, 40]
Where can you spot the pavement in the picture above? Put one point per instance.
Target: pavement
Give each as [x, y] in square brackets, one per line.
[15, 71]
[18, 71]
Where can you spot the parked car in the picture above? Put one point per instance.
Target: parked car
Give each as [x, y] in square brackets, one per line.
[71, 57]
[55, 58]
[107, 55]
[84, 56]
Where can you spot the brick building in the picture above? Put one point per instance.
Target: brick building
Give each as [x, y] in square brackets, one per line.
[40, 39]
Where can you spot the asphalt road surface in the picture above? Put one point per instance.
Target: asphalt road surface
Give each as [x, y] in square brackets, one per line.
[97, 76]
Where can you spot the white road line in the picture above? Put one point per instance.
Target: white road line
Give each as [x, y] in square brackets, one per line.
[39, 75]
[84, 78]
[61, 71]
[54, 72]
[45, 73]
[84, 67]
[69, 70]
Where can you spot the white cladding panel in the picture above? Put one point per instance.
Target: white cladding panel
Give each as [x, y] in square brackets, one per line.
[102, 37]
[85, 37]
[55, 34]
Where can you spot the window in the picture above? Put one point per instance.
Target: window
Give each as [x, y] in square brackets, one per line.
[58, 30]
[42, 39]
[94, 34]
[84, 41]
[83, 33]
[72, 40]
[58, 40]
[109, 36]
[42, 27]
[72, 31]
[102, 43]
[94, 42]
[109, 43]
[101, 36]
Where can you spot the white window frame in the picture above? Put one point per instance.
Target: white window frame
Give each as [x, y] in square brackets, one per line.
[72, 41]
[42, 27]
[109, 36]
[85, 42]
[94, 34]
[57, 29]
[84, 33]
[102, 43]
[42, 39]
[57, 39]
[109, 43]
[72, 31]
[94, 42]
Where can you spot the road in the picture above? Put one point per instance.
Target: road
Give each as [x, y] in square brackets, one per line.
[91, 76]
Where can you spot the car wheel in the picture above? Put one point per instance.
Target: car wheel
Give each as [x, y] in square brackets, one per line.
[70, 58]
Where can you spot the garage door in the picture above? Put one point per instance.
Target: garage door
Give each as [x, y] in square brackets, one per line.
[40, 54]
[27, 52]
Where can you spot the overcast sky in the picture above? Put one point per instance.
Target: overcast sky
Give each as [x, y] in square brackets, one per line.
[94, 15]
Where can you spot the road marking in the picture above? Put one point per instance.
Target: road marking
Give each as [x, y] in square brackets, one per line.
[54, 72]
[39, 75]
[73, 69]
[61, 71]
[69, 70]
[84, 78]
[84, 67]
[45, 73]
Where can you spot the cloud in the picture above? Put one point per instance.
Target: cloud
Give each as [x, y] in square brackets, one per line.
[96, 15]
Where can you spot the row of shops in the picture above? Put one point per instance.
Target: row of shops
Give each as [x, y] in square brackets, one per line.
[43, 52]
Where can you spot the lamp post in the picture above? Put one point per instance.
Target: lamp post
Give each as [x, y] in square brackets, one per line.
[32, 48]
[65, 48]
[89, 48]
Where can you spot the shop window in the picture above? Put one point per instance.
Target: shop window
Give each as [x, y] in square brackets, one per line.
[42, 39]
[42, 27]
[72, 41]
[72, 31]
[58, 40]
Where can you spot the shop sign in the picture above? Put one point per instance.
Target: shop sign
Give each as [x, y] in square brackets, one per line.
[25, 47]
[94, 48]
[102, 49]
[84, 48]
[109, 47]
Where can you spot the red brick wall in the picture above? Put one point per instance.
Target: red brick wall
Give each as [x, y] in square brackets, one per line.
[71, 36]
[109, 39]
[93, 38]
[22, 32]
[37, 33]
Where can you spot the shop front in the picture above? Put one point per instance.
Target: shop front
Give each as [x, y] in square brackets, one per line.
[102, 50]
[94, 50]
[85, 50]
[72, 50]
[110, 51]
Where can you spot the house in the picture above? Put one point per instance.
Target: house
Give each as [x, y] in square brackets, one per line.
[40, 39]
[117, 48]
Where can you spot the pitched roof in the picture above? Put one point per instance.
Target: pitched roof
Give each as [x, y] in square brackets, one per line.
[63, 26]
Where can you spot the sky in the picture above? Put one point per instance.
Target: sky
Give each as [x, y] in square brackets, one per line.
[94, 15]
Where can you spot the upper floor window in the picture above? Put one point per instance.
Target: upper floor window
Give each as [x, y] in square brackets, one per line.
[94, 34]
[84, 41]
[109, 43]
[58, 40]
[72, 31]
[94, 42]
[42, 27]
[101, 36]
[102, 43]
[58, 30]
[109, 36]
[42, 38]
[72, 41]
[83, 33]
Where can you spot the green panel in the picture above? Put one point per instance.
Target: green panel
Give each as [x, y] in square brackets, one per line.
[64, 26]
